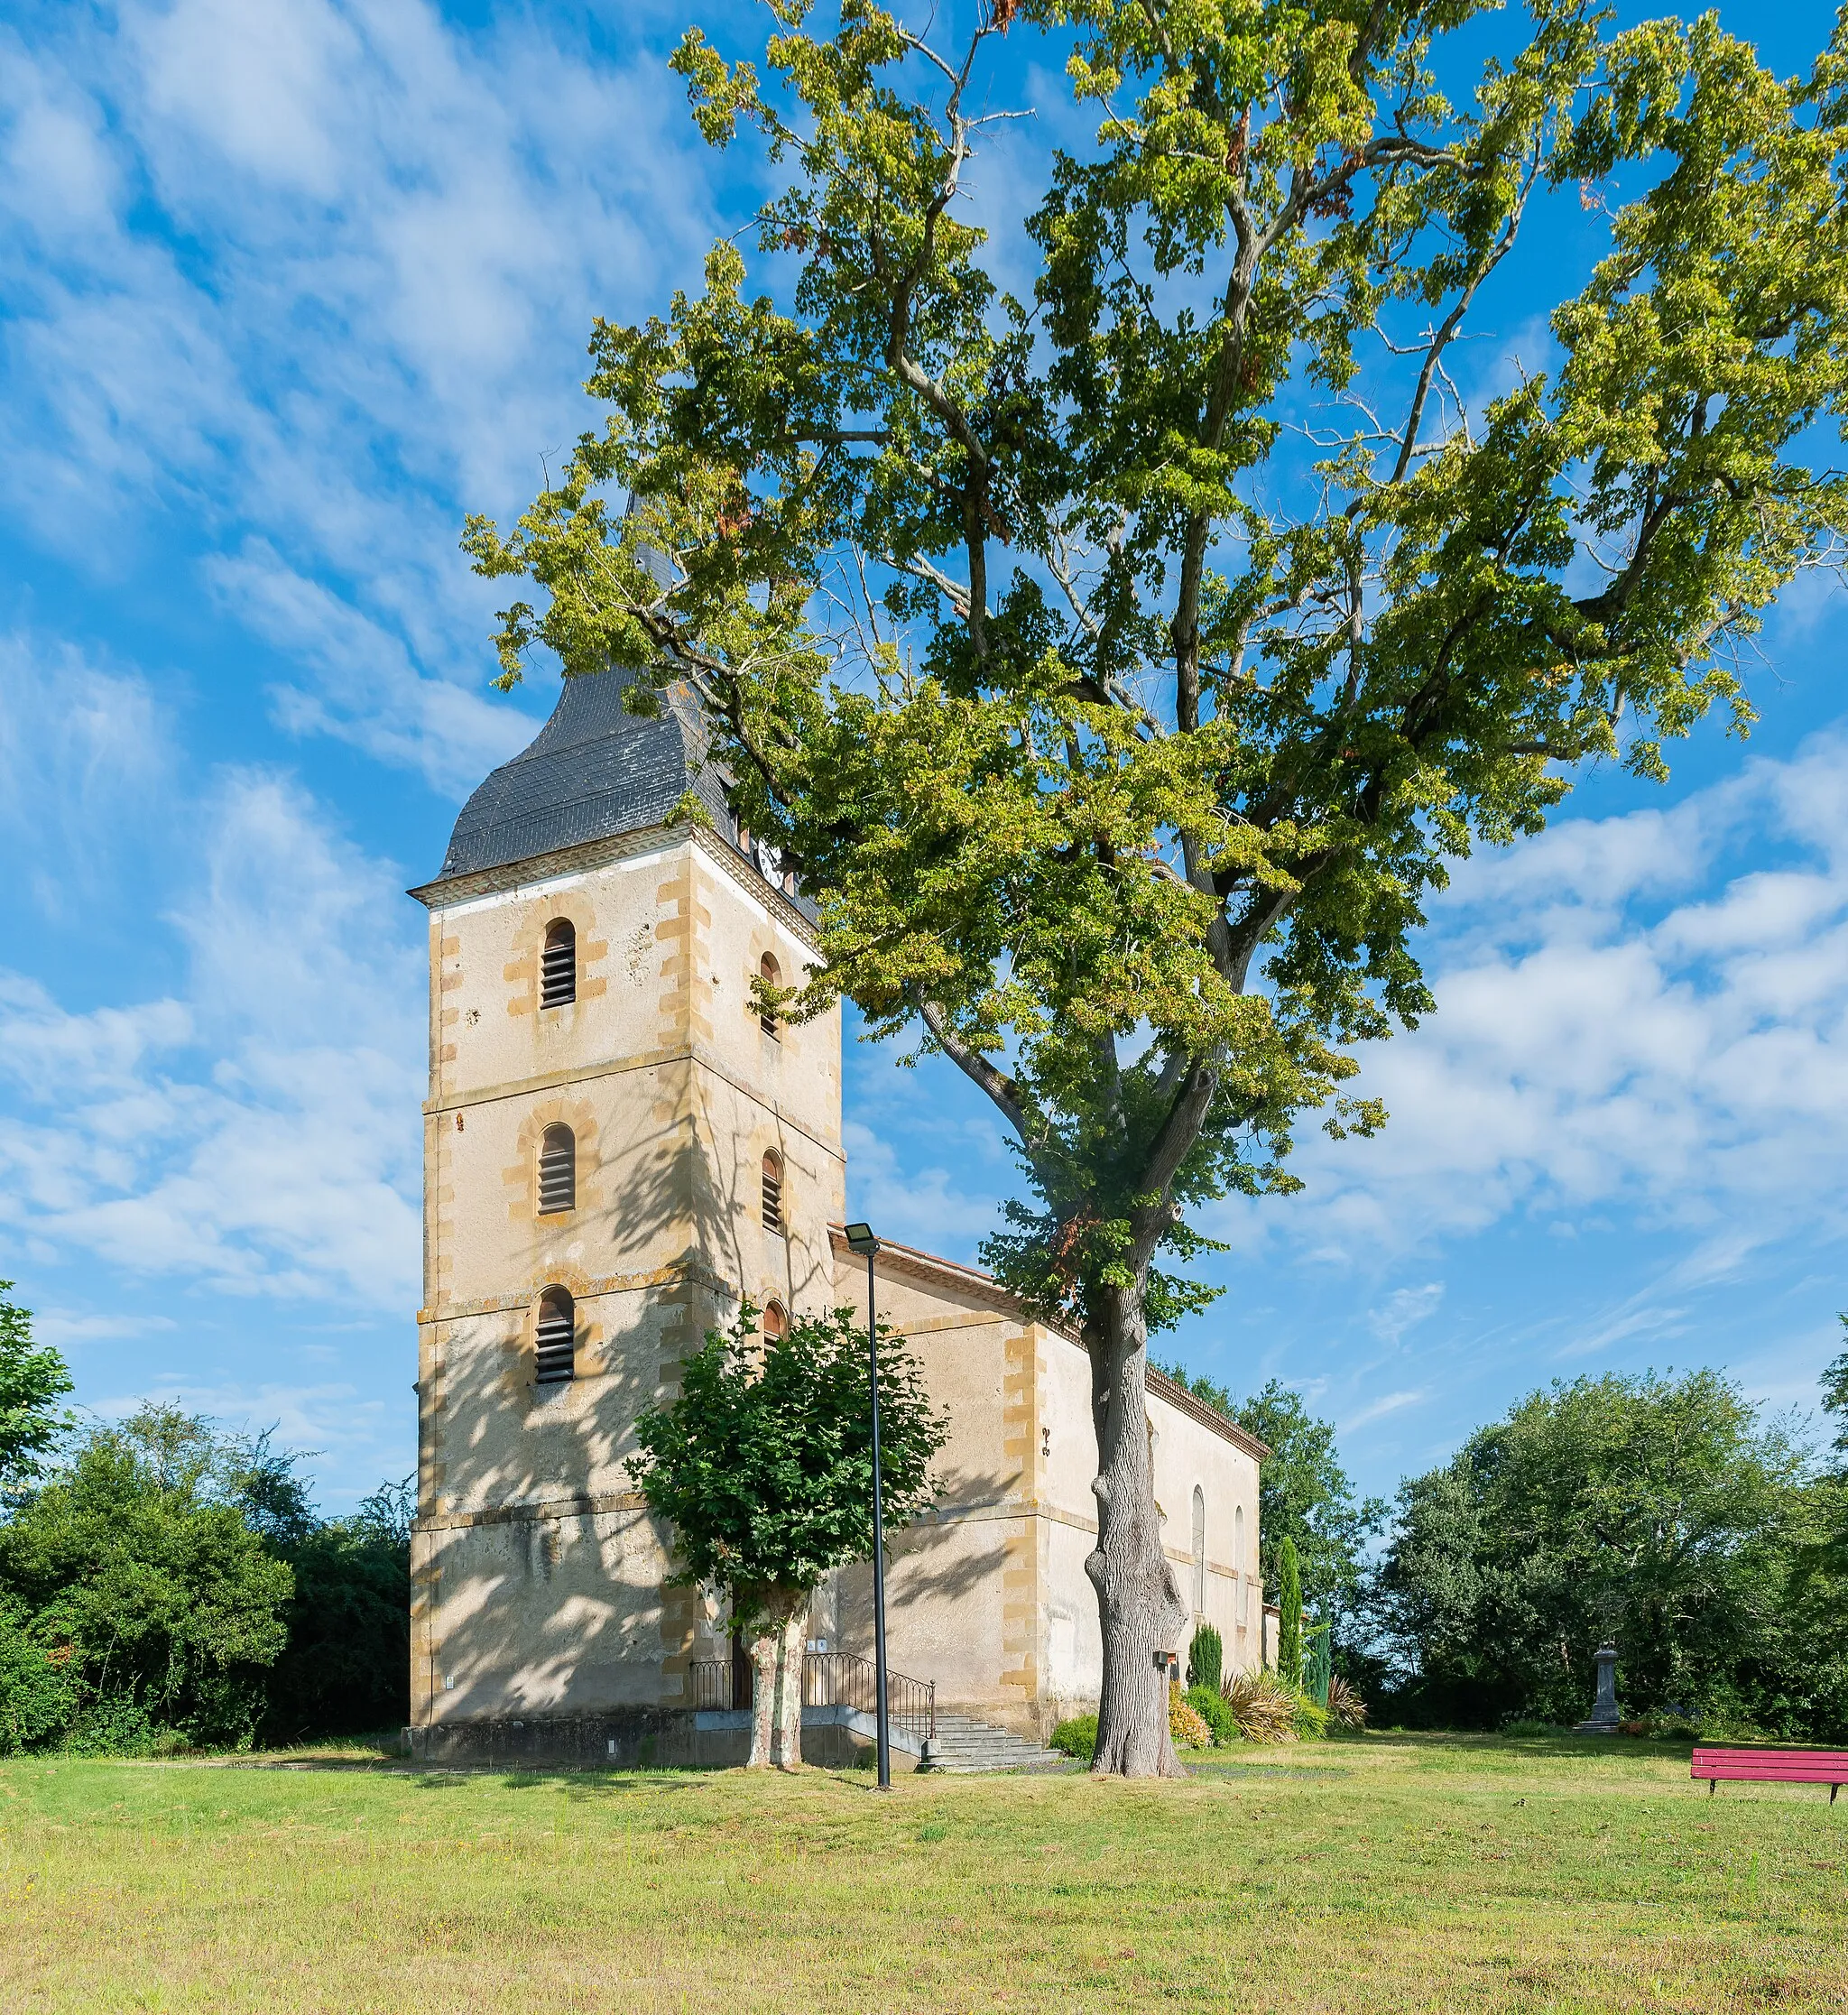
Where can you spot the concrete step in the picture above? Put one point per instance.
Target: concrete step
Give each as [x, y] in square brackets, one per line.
[966, 1745]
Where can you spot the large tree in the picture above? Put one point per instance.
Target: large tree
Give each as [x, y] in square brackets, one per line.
[1659, 1512]
[762, 1466]
[1122, 660]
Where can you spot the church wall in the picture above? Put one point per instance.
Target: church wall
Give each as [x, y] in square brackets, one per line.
[1190, 1454]
[962, 1601]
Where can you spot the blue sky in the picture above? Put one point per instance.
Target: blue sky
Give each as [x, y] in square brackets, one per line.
[287, 287]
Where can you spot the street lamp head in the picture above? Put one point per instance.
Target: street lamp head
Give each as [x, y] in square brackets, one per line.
[860, 1239]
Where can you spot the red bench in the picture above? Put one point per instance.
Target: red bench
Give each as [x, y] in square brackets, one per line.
[1773, 1766]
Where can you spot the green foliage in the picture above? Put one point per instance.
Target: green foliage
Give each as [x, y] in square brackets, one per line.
[1186, 1729]
[1076, 1737]
[1346, 1708]
[1149, 726]
[1311, 1719]
[1658, 1510]
[1289, 1623]
[37, 1698]
[1210, 1704]
[345, 1669]
[763, 1464]
[1263, 1706]
[32, 1382]
[1206, 1660]
[147, 1582]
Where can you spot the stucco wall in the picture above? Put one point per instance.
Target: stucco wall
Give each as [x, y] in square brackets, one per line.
[987, 1592]
[537, 1576]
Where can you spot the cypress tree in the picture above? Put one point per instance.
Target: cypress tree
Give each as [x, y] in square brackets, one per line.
[1290, 1627]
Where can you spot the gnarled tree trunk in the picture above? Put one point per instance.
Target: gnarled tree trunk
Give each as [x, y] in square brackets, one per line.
[1139, 1605]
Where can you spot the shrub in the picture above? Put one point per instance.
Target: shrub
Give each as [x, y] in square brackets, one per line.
[1185, 1725]
[1076, 1737]
[1262, 1706]
[1209, 1704]
[1311, 1718]
[36, 1695]
[1346, 1709]
[1206, 1661]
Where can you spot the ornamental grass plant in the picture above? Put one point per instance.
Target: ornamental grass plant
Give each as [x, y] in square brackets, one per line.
[1263, 1707]
[1346, 1709]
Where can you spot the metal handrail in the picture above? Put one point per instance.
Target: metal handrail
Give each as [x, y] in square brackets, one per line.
[834, 1679]
[845, 1679]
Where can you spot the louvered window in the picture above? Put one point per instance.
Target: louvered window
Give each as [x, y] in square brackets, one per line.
[776, 1322]
[772, 976]
[772, 1192]
[557, 1171]
[555, 1338]
[558, 968]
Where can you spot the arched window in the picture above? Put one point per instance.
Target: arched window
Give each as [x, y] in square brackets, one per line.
[557, 1171]
[776, 1322]
[1238, 1556]
[773, 975]
[772, 1191]
[558, 968]
[1200, 1551]
[556, 1338]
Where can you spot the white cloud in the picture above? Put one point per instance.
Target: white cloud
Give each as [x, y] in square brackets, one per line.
[259, 1134]
[311, 280]
[1377, 1409]
[1404, 1309]
[927, 1206]
[1636, 1012]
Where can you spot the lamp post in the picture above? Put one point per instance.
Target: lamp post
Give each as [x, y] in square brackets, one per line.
[860, 1239]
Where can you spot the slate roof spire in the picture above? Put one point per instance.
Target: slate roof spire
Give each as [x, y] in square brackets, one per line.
[592, 771]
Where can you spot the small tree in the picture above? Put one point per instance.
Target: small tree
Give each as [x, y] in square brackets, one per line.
[32, 1381]
[1206, 1659]
[763, 1466]
[1289, 1623]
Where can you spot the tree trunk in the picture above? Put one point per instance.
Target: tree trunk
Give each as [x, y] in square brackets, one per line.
[793, 1642]
[764, 1643]
[1139, 1605]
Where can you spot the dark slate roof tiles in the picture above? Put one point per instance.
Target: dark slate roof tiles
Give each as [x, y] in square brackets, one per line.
[591, 773]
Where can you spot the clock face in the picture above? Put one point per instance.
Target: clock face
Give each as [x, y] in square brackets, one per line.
[770, 862]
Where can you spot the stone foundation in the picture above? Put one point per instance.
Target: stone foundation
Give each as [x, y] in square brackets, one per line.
[632, 1737]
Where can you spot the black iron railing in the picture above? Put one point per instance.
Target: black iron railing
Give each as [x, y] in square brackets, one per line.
[845, 1679]
[835, 1679]
[712, 1682]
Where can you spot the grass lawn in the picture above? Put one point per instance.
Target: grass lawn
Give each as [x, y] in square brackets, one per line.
[1397, 1873]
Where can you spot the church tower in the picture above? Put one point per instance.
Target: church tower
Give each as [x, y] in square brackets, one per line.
[616, 1147]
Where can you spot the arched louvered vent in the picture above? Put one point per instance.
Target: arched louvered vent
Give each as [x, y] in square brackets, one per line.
[556, 1338]
[558, 968]
[773, 1192]
[773, 976]
[557, 1171]
[776, 1322]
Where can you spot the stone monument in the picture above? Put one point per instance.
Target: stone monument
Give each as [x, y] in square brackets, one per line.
[1604, 1716]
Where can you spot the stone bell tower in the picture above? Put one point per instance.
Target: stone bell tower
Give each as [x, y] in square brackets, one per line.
[616, 1147]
